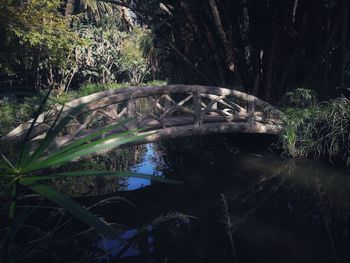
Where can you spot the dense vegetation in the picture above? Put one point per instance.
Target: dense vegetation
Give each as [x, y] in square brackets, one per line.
[269, 47]
[43, 48]
[321, 130]
[266, 48]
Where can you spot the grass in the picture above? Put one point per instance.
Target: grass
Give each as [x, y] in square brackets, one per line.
[229, 226]
[318, 129]
[13, 112]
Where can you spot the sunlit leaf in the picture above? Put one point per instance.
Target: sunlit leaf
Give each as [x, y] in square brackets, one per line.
[53, 133]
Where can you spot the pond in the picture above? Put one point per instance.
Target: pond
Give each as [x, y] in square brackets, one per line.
[238, 202]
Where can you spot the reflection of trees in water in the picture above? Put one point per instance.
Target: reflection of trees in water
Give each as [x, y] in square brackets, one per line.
[182, 156]
[314, 198]
[299, 205]
[271, 201]
[304, 184]
[114, 160]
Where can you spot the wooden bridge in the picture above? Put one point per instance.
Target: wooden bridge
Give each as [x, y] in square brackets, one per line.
[172, 111]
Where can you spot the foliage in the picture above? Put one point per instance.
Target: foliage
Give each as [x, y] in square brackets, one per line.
[300, 98]
[108, 55]
[298, 137]
[335, 133]
[30, 168]
[41, 27]
[132, 59]
[36, 36]
[274, 45]
[317, 129]
[97, 10]
[43, 48]
[98, 60]
[156, 83]
[14, 112]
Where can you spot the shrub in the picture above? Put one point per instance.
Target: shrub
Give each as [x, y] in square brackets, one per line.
[14, 112]
[317, 129]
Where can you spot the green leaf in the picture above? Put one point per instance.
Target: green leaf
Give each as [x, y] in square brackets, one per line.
[7, 164]
[24, 157]
[50, 136]
[37, 114]
[86, 139]
[71, 206]
[4, 165]
[86, 149]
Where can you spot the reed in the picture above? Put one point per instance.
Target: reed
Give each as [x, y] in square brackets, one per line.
[32, 166]
[317, 129]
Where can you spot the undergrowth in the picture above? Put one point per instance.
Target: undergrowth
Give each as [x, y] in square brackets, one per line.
[317, 129]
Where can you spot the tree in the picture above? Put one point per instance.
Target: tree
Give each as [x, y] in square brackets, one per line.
[275, 45]
[37, 39]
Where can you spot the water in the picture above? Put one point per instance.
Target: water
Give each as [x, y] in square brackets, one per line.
[145, 166]
[239, 202]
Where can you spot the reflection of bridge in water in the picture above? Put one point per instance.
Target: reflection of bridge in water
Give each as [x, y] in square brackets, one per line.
[172, 111]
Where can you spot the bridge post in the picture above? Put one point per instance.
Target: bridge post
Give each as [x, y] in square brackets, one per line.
[131, 113]
[197, 107]
[250, 112]
[214, 107]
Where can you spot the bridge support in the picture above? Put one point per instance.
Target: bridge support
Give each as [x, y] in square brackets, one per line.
[131, 113]
[197, 106]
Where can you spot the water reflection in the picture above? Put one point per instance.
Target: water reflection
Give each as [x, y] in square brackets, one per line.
[124, 159]
[278, 210]
[114, 248]
[147, 165]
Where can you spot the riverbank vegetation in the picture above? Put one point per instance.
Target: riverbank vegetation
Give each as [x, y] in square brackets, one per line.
[316, 129]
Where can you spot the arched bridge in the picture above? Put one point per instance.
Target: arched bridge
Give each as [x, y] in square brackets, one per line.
[172, 111]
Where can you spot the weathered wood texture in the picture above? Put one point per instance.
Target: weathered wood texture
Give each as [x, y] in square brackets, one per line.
[172, 111]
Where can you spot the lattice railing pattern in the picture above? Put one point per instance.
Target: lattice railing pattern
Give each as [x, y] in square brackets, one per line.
[155, 108]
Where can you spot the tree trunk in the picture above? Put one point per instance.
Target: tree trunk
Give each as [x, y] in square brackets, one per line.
[324, 50]
[189, 63]
[227, 47]
[343, 52]
[293, 57]
[255, 59]
[69, 10]
[218, 63]
[269, 58]
[240, 45]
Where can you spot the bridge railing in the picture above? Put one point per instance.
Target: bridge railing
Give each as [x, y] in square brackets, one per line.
[159, 107]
